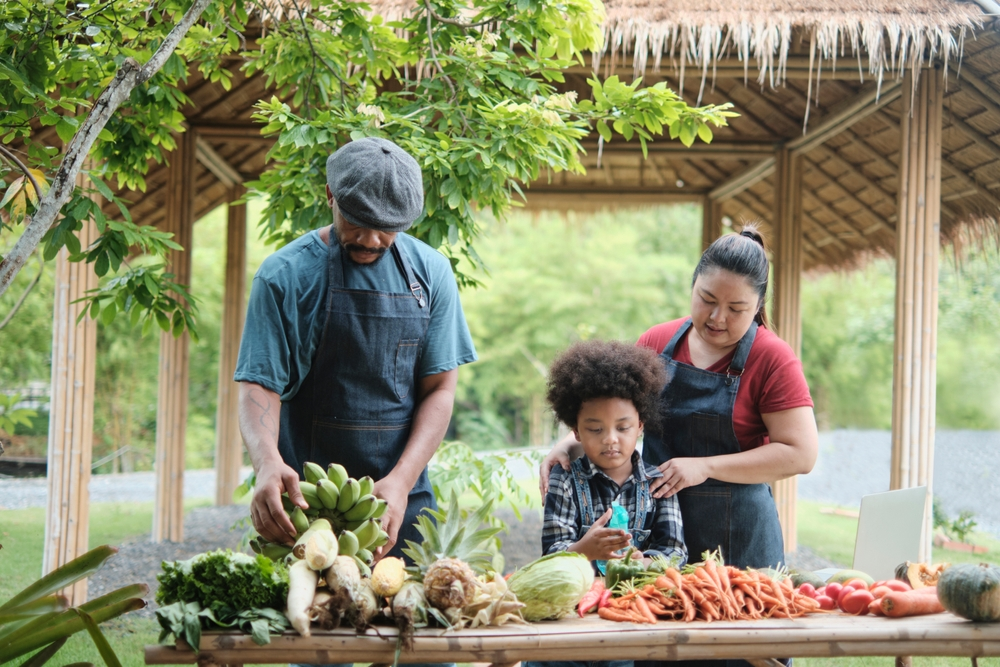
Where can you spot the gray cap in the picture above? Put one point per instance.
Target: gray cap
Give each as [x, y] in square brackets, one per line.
[377, 184]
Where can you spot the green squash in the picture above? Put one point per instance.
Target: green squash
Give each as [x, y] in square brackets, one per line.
[971, 591]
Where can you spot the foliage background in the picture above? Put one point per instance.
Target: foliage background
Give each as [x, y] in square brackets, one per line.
[553, 279]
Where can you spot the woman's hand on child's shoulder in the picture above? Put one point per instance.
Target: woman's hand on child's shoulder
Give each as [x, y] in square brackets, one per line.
[601, 542]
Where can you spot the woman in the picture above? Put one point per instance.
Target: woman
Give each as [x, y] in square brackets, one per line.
[736, 412]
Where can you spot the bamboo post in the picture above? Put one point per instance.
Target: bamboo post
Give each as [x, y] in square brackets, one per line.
[71, 416]
[711, 221]
[787, 249]
[228, 444]
[171, 408]
[918, 242]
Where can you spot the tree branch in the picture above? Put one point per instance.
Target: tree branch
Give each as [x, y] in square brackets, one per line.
[456, 22]
[129, 75]
[27, 291]
[9, 155]
[430, 41]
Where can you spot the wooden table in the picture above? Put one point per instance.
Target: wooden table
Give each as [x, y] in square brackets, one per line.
[591, 638]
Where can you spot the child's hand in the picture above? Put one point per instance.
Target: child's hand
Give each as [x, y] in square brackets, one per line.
[600, 542]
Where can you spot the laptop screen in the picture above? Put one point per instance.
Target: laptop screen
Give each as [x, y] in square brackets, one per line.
[890, 528]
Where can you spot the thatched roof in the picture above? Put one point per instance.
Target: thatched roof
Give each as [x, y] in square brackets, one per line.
[890, 35]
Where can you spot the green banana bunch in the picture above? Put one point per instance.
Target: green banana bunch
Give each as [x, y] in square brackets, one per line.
[347, 506]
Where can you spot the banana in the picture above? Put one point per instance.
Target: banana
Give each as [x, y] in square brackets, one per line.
[313, 472]
[348, 543]
[287, 504]
[328, 493]
[349, 494]
[367, 533]
[337, 474]
[362, 509]
[255, 546]
[275, 551]
[312, 513]
[380, 539]
[299, 520]
[367, 485]
[309, 493]
[363, 566]
[380, 509]
[364, 555]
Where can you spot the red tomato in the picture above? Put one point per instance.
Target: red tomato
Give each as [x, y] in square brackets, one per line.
[897, 585]
[876, 585]
[857, 583]
[856, 602]
[808, 589]
[821, 590]
[826, 602]
[844, 592]
[833, 590]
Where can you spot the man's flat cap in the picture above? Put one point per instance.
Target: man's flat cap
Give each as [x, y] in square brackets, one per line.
[377, 184]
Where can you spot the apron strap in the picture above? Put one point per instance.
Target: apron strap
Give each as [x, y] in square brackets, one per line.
[739, 362]
[582, 494]
[643, 502]
[668, 351]
[411, 279]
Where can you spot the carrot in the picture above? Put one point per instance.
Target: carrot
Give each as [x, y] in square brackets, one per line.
[875, 607]
[610, 614]
[643, 607]
[663, 581]
[910, 603]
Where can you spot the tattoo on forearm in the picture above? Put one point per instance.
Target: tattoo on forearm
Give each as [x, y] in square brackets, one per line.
[265, 419]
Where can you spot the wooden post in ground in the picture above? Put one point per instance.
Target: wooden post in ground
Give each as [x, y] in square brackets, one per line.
[71, 417]
[228, 444]
[171, 408]
[787, 252]
[918, 242]
[711, 221]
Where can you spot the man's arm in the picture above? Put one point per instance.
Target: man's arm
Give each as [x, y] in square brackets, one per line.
[260, 409]
[435, 400]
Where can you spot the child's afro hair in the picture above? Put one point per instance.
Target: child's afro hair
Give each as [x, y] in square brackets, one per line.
[606, 369]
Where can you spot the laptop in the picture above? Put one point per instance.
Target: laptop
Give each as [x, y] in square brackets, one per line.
[890, 528]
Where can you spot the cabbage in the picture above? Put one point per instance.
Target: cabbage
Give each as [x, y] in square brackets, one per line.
[553, 585]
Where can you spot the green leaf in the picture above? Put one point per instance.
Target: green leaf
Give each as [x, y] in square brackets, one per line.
[604, 130]
[101, 187]
[101, 265]
[100, 641]
[78, 568]
[705, 133]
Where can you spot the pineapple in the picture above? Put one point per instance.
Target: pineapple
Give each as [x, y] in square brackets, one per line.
[451, 554]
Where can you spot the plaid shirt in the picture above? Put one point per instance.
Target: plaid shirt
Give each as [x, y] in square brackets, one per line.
[563, 523]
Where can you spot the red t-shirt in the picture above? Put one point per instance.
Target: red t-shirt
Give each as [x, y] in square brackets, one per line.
[772, 380]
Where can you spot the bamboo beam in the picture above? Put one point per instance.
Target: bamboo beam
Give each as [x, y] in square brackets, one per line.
[228, 443]
[797, 67]
[787, 302]
[171, 408]
[979, 139]
[845, 115]
[742, 180]
[71, 416]
[879, 221]
[917, 249]
[711, 222]
[984, 90]
[750, 201]
[215, 163]
[735, 150]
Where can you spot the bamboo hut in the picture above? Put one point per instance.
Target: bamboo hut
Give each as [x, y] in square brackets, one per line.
[866, 127]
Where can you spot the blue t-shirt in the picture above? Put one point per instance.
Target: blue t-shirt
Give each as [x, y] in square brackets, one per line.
[286, 311]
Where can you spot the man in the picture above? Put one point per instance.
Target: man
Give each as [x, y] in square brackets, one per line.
[350, 352]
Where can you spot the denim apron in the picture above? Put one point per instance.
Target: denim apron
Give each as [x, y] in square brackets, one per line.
[696, 419]
[356, 405]
[637, 518]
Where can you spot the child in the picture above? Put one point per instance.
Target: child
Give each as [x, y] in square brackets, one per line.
[606, 392]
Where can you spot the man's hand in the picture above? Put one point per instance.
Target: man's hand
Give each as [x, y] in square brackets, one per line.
[396, 495]
[600, 542]
[679, 473]
[269, 517]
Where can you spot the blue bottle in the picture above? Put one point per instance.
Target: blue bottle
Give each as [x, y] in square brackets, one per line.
[619, 521]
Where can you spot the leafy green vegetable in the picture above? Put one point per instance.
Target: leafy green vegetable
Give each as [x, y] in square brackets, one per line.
[185, 620]
[221, 580]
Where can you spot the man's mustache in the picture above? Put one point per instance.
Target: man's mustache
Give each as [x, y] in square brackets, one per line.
[360, 249]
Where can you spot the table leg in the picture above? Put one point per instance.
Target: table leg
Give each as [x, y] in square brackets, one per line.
[765, 662]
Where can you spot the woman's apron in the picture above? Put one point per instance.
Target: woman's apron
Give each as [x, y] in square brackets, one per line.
[696, 416]
[696, 419]
[356, 405]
